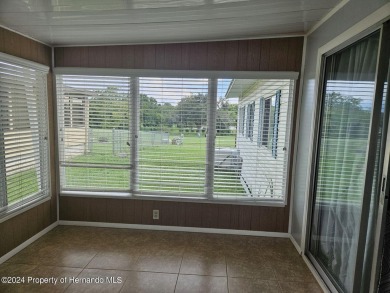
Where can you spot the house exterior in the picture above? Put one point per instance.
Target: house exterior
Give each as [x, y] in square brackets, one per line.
[263, 132]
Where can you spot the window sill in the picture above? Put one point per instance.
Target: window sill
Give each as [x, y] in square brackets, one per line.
[221, 200]
[9, 213]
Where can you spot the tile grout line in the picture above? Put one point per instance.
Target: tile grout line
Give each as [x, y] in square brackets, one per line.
[227, 277]
[177, 279]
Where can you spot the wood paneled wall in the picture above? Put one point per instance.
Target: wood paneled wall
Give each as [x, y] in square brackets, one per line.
[23, 226]
[246, 55]
[186, 214]
[279, 54]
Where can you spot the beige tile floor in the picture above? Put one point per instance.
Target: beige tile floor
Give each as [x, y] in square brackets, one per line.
[157, 261]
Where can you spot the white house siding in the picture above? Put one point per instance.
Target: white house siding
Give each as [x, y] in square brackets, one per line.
[259, 167]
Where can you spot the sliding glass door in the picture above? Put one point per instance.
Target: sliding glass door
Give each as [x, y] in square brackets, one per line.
[344, 185]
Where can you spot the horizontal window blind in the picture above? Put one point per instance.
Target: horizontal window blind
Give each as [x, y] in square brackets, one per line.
[253, 163]
[172, 140]
[23, 133]
[168, 133]
[93, 123]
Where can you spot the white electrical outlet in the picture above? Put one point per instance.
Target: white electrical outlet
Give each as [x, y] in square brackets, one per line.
[156, 214]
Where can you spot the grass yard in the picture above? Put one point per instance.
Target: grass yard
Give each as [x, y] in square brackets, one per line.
[178, 169]
[21, 184]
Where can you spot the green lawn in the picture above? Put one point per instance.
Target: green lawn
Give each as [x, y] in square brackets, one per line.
[21, 184]
[166, 167]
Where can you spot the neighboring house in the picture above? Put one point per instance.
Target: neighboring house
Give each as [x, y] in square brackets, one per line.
[262, 136]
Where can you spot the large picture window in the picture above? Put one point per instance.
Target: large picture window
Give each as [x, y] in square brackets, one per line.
[23, 132]
[159, 136]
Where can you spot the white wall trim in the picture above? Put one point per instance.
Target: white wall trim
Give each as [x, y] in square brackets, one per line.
[315, 274]
[26, 243]
[174, 228]
[327, 16]
[296, 138]
[296, 245]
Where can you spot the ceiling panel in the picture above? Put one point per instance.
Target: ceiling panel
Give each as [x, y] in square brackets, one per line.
[86, 22]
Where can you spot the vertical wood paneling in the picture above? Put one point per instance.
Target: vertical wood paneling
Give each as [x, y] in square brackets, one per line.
[139, 56]
[19, 225]
[267, 219]
[98, 209]
[172, 56]
[198, 56]
[231, 55]
[160, 57]
[25, 50]
[181, 214]
[114, 210]
[7, 237]
[255, 219]
[185, 57]
[216, 56]
[193, 215]
[128, 57]
[149, 57]
[264, 53]
[242, 55]
[97, 57]
[138, 211]
[147, 212]
[128, 211]
[59, 58]
[32, 222]
[114, 59]
[224, 215]
[278, 54]
[253, 56]
[2, 41]
[209, 215]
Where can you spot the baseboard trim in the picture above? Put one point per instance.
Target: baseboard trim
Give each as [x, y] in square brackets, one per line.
[26, 243]
[315, 274]
[297, 247]
[175, 228]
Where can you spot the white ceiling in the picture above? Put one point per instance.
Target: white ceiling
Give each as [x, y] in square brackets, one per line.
[87, 22]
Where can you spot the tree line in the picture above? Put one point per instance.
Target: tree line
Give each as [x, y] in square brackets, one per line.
[110, 109]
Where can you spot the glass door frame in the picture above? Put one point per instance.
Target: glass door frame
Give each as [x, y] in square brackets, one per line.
[381, 76]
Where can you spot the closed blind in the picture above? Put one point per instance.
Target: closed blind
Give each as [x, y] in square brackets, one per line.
[252, 162]
[93, 123]
[23, 133]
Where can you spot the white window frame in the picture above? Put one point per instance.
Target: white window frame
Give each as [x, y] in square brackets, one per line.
[9, 211]
[212, 76]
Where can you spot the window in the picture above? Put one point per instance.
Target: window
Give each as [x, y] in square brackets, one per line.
[23, 133]
[156, 136]
[93, 129]
[269, 117]
[242, 120]
[250, 120]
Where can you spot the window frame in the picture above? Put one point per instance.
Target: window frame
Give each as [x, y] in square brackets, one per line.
[293, 76]
[7, 210]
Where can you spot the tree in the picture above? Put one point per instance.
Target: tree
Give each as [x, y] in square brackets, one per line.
[226, 116]
[345, 116]
[109, 109]
[191, 111]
